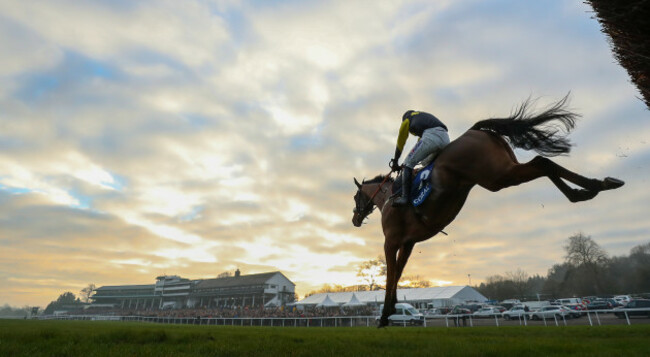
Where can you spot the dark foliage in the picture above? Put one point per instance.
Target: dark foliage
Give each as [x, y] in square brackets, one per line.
[602, 277]
[67, 300]
[627, 23]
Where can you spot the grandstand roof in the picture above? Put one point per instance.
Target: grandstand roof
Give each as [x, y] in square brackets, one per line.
[465, 293]
[242, 280]
[126, 287]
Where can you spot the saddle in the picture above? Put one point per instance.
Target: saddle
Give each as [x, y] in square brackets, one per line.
[420, 188]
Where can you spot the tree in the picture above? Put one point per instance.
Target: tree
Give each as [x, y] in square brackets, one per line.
[582, 250]
[519, 279]
[372, 271]
[86, 292]
[225, 274]
[639, 265]
[327, 288]
[65, 300]
[497, 287]
[588, 260]
[7, 310]
[414, 281]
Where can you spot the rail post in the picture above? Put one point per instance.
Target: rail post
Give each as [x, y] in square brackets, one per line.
[627, 318]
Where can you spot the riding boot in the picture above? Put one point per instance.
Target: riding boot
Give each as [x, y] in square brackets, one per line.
[407, 178]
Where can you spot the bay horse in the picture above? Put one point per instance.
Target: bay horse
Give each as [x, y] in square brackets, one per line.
[481, 156]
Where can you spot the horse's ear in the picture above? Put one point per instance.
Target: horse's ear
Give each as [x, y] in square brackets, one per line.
[357, 183]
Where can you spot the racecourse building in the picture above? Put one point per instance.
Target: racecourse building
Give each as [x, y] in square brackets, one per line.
[174, 292]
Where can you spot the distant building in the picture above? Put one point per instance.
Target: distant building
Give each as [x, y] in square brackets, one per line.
[124, 296]
[174, 292]
[421, 298]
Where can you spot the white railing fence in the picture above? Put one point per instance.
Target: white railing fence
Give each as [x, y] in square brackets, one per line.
[587, 317]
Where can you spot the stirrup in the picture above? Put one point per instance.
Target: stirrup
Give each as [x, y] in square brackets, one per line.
[397, 202]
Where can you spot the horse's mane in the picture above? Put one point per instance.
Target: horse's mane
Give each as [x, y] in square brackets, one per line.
[378, 179]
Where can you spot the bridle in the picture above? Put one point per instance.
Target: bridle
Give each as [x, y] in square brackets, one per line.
[369, 207]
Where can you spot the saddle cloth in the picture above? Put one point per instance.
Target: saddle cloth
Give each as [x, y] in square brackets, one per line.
[421, 187]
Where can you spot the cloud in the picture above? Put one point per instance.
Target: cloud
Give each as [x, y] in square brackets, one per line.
[191, 138]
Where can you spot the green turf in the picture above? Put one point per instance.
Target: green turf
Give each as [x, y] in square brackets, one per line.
[94, 338]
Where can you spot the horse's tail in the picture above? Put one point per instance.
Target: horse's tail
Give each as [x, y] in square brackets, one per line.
[540, 132]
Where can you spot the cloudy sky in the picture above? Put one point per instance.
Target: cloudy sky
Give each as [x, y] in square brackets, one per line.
[196, 137]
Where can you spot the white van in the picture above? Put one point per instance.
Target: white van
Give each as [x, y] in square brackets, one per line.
[569, 301]
[405, 314]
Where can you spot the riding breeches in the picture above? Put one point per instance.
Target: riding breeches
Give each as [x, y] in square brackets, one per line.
[432, 141]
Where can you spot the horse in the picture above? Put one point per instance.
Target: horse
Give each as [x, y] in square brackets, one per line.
[482, 156]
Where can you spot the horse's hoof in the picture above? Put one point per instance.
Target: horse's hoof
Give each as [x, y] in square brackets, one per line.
[610, 183]
[582, 195]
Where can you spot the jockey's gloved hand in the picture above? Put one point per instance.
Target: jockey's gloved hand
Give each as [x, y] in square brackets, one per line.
[394, 165]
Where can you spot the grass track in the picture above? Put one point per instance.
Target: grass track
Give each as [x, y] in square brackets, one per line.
[95, 338]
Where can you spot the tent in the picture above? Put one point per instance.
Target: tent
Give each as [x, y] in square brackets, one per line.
[327, 302]
[354, 302]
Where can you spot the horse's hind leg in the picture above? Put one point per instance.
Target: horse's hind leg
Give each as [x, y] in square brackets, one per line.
[609, 183]
[541, 166]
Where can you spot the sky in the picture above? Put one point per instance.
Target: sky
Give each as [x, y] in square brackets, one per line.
[141, 138]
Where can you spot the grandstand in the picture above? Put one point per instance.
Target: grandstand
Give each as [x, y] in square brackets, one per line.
[175, 292]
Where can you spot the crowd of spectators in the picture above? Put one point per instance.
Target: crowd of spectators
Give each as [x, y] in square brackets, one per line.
[234, 312]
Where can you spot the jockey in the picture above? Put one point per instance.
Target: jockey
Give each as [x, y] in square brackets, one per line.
[433, 137]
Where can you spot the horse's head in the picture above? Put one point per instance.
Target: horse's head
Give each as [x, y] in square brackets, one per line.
[363, 206]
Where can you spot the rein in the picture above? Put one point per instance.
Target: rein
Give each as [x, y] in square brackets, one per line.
[370, 203]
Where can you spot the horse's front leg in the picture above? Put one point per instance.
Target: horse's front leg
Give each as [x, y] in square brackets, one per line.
[403, 257]
[390, 250]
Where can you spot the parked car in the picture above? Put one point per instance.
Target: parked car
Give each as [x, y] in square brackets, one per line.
[510, 303]
[568, 301]
[516, 312]
[599, 304]
[405, 314]
[588, 299]
[536, 305]
[614, 303]
[549, 312]
[460, 310]
[472, 307]
[433, 312]
[635, 304]
[623, 299]
[490, 311]
[577, 310]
